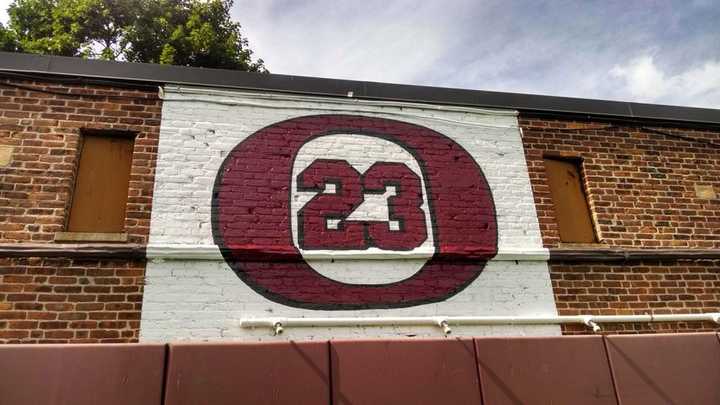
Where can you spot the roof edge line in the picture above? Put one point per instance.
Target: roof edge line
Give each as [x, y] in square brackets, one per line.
[229, 79]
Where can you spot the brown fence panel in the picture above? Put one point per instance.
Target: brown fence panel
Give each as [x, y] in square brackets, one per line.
[666, 369]
[557, 370]
[248, 373]
[105, 374]
[404, 372]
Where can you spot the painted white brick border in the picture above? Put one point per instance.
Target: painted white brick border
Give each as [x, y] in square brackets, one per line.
[191, 293]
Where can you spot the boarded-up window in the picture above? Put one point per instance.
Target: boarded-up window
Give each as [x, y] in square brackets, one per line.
[571, 207]
[101, 188]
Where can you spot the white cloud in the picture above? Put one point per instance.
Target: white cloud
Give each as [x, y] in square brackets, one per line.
[643, 80]
[542, 47]
[378, 41]
[4, 4]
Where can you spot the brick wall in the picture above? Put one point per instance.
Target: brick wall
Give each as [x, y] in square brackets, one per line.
[640, 182]
[68, 299]
[58, 300]
[43, 130]
[652, 287]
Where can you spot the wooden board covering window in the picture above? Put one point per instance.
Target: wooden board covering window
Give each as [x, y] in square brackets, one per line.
[101, 188]
[571, 207]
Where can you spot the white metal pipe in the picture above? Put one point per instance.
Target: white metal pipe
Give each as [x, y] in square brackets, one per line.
[444, 322]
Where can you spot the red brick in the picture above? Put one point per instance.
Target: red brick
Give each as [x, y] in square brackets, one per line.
[630, 173]
[636, 296]
[40, 139]
[640, 187]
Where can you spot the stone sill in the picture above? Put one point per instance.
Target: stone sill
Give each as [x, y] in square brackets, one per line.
[120, 237]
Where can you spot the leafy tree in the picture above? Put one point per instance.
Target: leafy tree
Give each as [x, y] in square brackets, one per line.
[8, 42]
[179, 32]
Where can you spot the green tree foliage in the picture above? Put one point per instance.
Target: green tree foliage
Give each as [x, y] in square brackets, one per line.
[178, 32]
[8, 42]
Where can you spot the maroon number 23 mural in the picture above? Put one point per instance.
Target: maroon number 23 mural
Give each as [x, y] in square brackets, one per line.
[328, 185]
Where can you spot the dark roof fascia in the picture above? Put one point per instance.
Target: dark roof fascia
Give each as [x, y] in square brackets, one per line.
[181, 75]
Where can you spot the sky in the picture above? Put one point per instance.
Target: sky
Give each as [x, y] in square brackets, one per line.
[665, 52]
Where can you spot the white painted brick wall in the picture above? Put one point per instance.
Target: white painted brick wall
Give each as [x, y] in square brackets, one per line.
[204, 299]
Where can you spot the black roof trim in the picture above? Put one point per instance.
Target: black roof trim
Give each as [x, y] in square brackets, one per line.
[164, 74]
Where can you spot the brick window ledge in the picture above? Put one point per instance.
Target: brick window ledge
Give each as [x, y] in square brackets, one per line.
[74, 250]
[120, 237]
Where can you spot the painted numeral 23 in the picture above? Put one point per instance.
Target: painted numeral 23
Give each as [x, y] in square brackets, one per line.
[350, 187]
